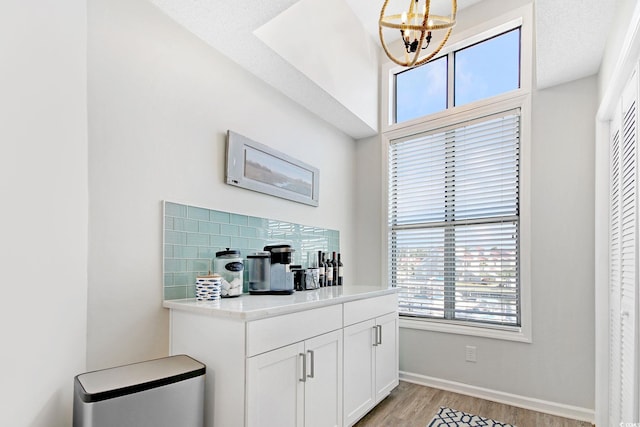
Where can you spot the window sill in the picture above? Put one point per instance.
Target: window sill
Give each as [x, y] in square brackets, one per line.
[518, 334]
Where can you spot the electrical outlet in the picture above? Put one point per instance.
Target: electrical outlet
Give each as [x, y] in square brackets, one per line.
[471, 354]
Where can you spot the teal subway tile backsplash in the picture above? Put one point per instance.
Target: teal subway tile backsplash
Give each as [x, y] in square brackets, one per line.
[198, 239]
[257, 222]
[229, 230]
[174, 237]
[193, 235]
[198, 213]
[168, 251]
[220, 217]
[221, 241]
[175, 292]
[180, 251]
[175, 210]
[182, 279]
[174, 265]
[208, 227]
[168, 279]
[198, 264]
[183, 224]
[239, 242]
[239, 219]
[207, 252]
[248, 232]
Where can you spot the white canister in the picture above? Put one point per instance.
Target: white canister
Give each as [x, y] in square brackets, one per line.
[230, 265]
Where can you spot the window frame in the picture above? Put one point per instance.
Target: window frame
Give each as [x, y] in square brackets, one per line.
[521, 17]
[520, 98]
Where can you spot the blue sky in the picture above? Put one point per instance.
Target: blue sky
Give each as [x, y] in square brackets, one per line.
[483, 70]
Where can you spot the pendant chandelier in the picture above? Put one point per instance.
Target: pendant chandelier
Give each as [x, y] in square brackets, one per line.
[417, 27]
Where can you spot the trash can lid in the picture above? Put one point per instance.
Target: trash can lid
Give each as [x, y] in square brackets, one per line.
[128, 379]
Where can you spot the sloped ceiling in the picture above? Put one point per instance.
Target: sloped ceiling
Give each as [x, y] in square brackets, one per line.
[305, 48]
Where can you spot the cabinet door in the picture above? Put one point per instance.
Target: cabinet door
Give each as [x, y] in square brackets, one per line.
[359, 370]
[386, 355]
[275, 392]
[323, 386]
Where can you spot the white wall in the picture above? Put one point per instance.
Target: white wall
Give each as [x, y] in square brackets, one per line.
[368, 211]
[160, 103]
[43, 183]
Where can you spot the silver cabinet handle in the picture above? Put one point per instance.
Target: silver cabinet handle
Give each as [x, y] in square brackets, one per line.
[375, 336]
[313, 363]
[304, 367]
[380, 335]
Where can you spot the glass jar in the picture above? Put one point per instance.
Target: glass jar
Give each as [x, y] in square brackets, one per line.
[229, 264]
[259, 273]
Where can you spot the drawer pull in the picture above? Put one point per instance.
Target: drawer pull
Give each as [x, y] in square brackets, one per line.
[375, 336]
[379, 334]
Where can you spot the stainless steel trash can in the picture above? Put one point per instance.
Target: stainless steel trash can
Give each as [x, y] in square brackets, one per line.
[167, 392]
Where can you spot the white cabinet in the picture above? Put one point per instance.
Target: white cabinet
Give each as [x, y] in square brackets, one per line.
[298, 385]
[275, 394]
[370, 357]
[386, 355]
[323, 384]
[303, 367]
[359, 368]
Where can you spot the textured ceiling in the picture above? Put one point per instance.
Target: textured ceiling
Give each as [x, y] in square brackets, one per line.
[570, 38]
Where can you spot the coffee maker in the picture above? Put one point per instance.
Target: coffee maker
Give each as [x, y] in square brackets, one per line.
[276, 278]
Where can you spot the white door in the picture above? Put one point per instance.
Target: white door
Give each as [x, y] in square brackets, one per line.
[386, 355]
[323, 385]
[623, 257]
[275, 390]
[359, 370]
[629, 255]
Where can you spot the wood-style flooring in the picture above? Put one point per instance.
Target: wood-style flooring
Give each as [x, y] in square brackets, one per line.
[412, 405]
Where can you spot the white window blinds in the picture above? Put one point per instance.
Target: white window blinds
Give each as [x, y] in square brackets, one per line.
[454, 221]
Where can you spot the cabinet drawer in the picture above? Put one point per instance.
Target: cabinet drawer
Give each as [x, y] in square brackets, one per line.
[365, 309]
[268, 334]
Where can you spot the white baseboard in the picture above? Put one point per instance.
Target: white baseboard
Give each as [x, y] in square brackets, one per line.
[559, 409]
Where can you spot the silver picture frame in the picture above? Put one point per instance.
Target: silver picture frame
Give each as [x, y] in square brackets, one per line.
[257, 167]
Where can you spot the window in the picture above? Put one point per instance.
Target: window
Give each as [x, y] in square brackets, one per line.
[488, 68]
[479, 71]
[421, 91]
[458, 193]
[454, 206]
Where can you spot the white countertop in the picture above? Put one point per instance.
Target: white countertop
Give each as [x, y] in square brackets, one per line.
[252, 307]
